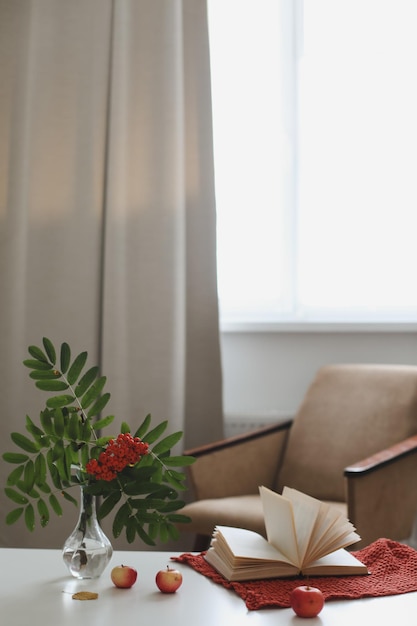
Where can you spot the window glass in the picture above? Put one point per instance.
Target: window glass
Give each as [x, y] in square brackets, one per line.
[315, 139]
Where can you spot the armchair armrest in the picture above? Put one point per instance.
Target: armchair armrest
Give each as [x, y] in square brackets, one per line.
[378, 460]
[238, 465]
[382, 492]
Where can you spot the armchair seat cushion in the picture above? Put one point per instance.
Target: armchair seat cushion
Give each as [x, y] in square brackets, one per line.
[229, 512]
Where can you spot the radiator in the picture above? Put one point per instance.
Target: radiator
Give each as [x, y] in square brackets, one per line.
[236, 424]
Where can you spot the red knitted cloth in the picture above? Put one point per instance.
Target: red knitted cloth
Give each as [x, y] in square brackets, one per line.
[393, 568]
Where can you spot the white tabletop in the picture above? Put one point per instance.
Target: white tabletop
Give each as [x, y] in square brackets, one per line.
[36, 590]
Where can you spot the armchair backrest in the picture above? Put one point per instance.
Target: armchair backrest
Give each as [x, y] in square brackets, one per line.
[348, 413]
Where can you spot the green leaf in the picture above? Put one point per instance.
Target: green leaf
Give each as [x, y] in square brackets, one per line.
[29, 476]
[153, 531]
[93, 392]
[70, 498]
[75, 369]
[164, 491]
[44, 374]
[65, 357]
[142, 473]
[98, 488]
[24, 443]
[120, 519]
[86, 430]
[167, 443]
[174, 533]
[15, 457]
[30, 517]
[85, 454]
[125, 428]
[68, 461]
[174, 481]
[144, 536]
[143, 428]
[177, 518]
[147, 517]
[101, 442]
[58, 402]
[177, 475]
[14, 495]
[37, 365]
[49, 349]
[61, 466]
[46, 422]
[74, 426]
[51, 385]
[14, 476]
[45, 488]
[141, 504]
[108, 504]
[154, 490]
[95, 451]
[154, 434]
[131, 530]
[178, 461]
[55, 505]
[55, 477]
[75, 449]
[148, 460]
[43, 512]
[59, 423]
[99, 405]
[136, 488]
[13, 516]
[105, 421]
[163, 532]
[40, 469]
[37, 354]
[33, 429]
[171, 506]
[86, 380]
[58, 450]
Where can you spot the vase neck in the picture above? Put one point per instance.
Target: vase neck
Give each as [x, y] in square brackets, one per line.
[87, 515]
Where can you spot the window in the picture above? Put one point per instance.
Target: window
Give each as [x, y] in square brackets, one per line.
[315, 140]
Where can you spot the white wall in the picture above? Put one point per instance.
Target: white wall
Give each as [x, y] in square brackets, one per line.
[266, 373]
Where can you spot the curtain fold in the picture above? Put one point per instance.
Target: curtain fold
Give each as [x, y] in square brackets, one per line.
[107, 211]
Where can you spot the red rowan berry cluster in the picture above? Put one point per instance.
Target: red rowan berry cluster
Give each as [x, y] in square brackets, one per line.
[120, 452]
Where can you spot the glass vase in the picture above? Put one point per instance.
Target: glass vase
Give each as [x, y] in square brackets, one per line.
[87, 550]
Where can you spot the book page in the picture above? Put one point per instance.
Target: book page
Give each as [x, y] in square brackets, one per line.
[249, 570]
[338, 563]
[330, 530]
[306, 511]
[279, 524]
[325, 529]
[338, 536]
[237, 545]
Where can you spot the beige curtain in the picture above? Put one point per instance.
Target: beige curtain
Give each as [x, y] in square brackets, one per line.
[107, 213]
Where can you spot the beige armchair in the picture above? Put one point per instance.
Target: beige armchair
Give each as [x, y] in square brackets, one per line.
[353, 442]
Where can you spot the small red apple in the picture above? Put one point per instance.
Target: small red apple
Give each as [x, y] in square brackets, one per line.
[168, 580]
[306, 601]
[124, 576]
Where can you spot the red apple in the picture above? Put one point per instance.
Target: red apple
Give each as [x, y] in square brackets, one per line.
[124, 576]
[307, 601]
[168, 580]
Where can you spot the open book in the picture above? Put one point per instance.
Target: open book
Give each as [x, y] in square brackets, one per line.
[305, 536]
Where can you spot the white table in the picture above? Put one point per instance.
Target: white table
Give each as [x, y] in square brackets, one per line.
[35, 590]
